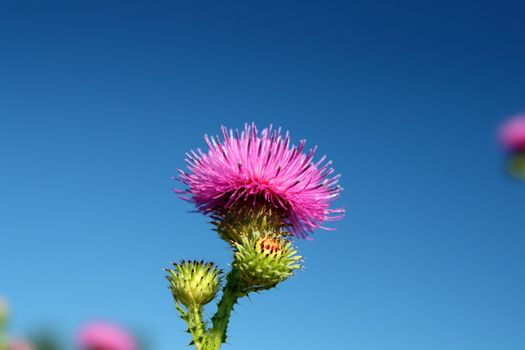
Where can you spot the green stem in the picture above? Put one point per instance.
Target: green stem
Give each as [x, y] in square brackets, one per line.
[196, 327]
[230, 294]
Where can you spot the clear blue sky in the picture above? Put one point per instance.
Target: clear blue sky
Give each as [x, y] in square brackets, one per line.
[99, 100]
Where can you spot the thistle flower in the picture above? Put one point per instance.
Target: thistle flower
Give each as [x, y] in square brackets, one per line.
[194, 283]
[262, 170]
[105, 336]
[512, 134]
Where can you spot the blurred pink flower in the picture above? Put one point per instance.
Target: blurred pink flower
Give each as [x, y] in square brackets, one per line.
[105, 336]
[512, 134]
[20, 344]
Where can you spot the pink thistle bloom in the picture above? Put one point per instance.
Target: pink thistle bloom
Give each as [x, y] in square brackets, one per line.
[512, 134]
[105, 336]
[252, 168]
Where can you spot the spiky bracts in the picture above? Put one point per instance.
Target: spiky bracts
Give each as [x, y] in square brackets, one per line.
[262, 262]
[244, 221]
[250, 168]
[194, 282]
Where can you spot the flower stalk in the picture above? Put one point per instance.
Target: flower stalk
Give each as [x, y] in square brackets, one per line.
[194, 323]
[220, 320]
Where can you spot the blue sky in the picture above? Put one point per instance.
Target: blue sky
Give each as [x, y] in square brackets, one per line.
[99, 100]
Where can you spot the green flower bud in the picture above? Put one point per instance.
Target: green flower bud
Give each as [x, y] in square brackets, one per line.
[193, 282]
[263, 262]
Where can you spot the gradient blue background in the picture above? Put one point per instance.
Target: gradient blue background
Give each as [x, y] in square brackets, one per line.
[99, 100]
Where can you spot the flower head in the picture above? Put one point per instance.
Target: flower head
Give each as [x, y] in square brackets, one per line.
[512, 134]
[105, 336]
[266, 261]
[194, 282]
[252, 169]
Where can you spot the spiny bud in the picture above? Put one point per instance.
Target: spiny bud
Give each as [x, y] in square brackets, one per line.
[194, 282]
[262, 262]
